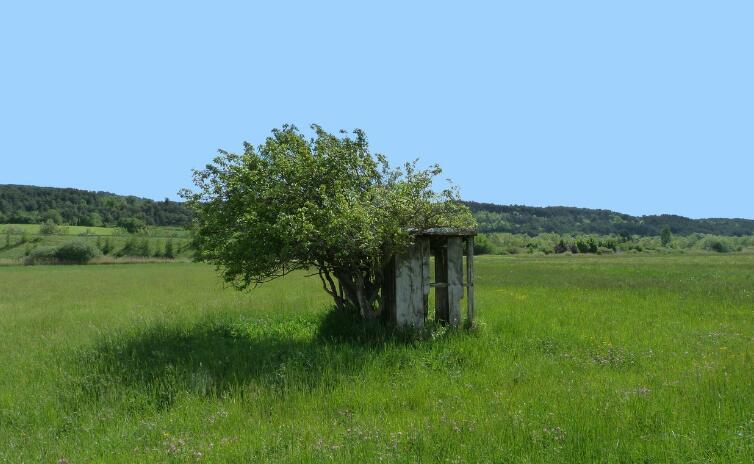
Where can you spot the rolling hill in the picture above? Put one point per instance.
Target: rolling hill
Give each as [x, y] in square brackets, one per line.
[26, 204]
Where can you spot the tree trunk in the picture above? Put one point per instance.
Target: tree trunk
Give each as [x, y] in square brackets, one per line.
[361, 293]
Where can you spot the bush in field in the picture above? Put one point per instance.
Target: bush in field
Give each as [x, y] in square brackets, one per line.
[107, 247]
[143, 249]
[561, 247]
[76, 252]
[169, 253]
[129, 248]
[49, 228]
[41, 255]
[132, 225]
[717, 244]
[609, 243]
[604, 250]
[587, 246]
[665, 236]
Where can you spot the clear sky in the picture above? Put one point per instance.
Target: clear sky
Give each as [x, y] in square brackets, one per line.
[641, 107]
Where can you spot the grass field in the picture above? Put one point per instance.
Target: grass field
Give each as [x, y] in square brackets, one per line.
[155, 231]
[577, 359]
[19, 240]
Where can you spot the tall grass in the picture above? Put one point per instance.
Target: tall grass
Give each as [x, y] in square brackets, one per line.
[609, 359]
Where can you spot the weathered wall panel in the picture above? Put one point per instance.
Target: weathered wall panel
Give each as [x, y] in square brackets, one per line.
[441, 277]
[425, 253]
[455, 279]
[409, 292]
[470, 281]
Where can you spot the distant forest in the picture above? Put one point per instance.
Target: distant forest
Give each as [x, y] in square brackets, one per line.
[24, 204]
[532, 221]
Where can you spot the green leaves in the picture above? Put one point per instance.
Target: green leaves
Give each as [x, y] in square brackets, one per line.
[324, 202]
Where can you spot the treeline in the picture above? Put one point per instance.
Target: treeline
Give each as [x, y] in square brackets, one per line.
[551, 243]
[533, 221]
[25, 204]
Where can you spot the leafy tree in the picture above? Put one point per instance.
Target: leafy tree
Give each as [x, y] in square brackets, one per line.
[326, 203]
[107, 247]
[129, 248]
[76, 252]
[169, 253]
[93, 219]
[143, 249]
[53, 215]
[158, 253]
[482, 246]
[665, 236]
[132, 225]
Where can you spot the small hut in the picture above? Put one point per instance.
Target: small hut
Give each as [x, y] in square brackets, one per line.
[407, 281]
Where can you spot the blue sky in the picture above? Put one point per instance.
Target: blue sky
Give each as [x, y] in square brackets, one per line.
[641, 107]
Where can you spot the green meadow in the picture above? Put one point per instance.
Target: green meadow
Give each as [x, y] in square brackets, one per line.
[616, 358]
[20, 240]
[33, 229]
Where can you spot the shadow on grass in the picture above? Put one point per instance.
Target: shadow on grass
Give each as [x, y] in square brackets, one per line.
[217, 356]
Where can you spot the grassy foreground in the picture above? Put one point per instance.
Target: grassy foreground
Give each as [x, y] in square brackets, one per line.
[577, 359]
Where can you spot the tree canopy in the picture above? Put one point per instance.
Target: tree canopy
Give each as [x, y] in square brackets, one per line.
[325, 203]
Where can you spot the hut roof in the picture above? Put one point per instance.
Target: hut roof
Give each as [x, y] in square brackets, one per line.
[444, 232]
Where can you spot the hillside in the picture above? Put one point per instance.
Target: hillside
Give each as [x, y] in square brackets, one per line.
[532, 220]
[24, 204]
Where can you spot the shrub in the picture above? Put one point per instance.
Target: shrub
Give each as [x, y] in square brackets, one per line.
[582, 246]
[561, 247]
[129, 248]
[717, 245]
[143, 249]
[611, 244]
[158, 250]
[132, 225]
[482, 246]
[107, 247]
[40, 255]
[605, 251]
[169, 253]
[666, 236]
[76, 252]
[48, 228]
